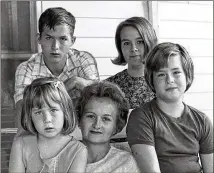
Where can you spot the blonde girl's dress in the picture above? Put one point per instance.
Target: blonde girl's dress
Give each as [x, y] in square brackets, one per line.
[59, 163]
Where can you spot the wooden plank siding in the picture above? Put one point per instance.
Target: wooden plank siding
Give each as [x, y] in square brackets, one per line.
[190, 23]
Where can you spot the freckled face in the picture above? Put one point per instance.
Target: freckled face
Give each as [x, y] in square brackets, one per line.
[170, 82]
[55, 43]
[98, 123]
[132, 46]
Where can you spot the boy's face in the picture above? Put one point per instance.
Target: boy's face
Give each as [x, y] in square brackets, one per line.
[170, 81]
[55, 43]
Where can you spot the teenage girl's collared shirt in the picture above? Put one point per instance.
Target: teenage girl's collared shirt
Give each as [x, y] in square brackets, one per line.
[79, 63]
[135, 88]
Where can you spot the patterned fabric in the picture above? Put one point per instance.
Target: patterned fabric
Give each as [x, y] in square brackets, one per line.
[79, 63]
[135, 88]
[60, 163]
[116, 161]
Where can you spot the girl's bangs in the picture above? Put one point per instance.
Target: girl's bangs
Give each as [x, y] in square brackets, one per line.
[45, 96]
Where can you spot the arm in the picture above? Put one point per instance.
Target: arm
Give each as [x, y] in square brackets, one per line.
[207, 162]
[146, 158]
[79, 163]
[77, 83]
[16, 164]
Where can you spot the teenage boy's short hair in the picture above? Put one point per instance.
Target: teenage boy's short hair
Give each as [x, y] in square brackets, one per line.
[41, 91]
[56, 16]
[158, 58]
[107, 90]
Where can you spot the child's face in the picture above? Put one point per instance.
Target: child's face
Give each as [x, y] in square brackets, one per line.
[98, 122]
[55, 43]
[170, 82]
[132, 46]
[48, 121]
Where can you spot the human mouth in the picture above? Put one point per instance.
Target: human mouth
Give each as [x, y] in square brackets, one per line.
[49, 129]
[171, 89]
[96, 132]
[55, 54]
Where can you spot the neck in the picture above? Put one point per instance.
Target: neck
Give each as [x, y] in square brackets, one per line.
[174, 109]
[56, 68]
[136, 71]
[97, 152]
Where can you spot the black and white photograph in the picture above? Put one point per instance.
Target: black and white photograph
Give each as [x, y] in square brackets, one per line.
[106, 86]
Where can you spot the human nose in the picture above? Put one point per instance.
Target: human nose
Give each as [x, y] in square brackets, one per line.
[47, 117]
[97, 123]
[169, 79]
[55, 44]
[134, 48]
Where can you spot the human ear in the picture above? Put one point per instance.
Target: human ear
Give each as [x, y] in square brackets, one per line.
[38, 37]
[73, 39]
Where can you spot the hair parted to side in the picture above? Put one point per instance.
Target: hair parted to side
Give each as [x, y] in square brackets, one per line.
[108, 90]
[145, 30]
[56, 16]
[44, 90]
[158, 58]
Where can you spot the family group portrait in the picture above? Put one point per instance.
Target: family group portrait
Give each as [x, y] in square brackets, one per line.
[106, 86]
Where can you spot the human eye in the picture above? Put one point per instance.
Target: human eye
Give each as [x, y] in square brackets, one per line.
[48, 38]
[177, 72]
[90, 116]
[160, 74]
[54, 110]
[140, 42]
[63, 38]
[106, 119]
[38, 112]
[125, 43]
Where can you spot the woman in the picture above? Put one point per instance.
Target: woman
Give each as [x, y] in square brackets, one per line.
[102, 112]
[134, 38]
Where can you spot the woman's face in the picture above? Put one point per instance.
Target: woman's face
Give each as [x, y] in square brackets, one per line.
[132, 46]
[98, 122]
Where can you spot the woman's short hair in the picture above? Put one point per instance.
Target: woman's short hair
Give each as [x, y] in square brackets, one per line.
[145, 30]
[108, 90]
[44, 90]
[56, 16]
[158, 58]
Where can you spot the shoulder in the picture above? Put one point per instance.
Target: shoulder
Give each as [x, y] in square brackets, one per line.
[29, 64]
[118, 76]
[76, 145]
[124, 158]
[196, 113]
[146, 108]
[80, 54]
